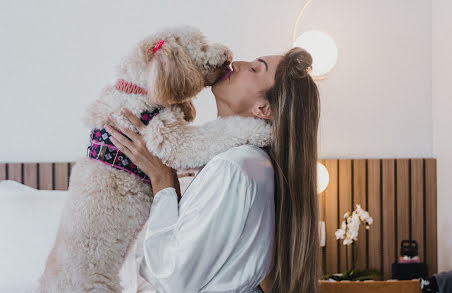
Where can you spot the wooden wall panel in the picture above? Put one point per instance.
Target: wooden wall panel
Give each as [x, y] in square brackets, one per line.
[71, 165]
[360, 197]
[400, 195]
[403, 201]
[46, 176]
[431, 216]
[374, 209]
[15, 172]
[3, 174]
[61, 176]
[331, 218]
[31, 174]
[388, 221]
[345, 204]
[321, 204]
[417, 204]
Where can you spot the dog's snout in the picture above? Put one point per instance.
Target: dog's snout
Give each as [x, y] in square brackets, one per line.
[226, 63]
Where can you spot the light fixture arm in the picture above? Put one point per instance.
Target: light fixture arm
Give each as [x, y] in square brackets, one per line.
[294, 31]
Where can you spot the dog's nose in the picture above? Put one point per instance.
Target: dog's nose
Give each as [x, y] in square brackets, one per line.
[226, 63]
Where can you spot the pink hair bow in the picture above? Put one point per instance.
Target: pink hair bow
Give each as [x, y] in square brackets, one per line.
[158, 46]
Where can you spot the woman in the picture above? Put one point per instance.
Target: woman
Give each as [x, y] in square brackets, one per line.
[247, 214]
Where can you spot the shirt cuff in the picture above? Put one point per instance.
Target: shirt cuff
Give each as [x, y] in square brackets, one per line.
[164, 211]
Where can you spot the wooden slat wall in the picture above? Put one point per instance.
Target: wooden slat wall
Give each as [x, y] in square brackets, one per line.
[388, 221]
[331, 217]
[374, 209]
[45, 176]
[400, 195]
[345, 204]
[321, 203]
[359, 197]
[431, 254]
[417, 204]
[3, 174]
[403, 200]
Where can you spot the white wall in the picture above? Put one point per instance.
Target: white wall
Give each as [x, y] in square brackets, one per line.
[376, 102]
[55, 57]
[442, 124]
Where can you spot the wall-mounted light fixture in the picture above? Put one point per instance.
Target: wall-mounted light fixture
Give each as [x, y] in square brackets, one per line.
[323, 178]
[319, 44]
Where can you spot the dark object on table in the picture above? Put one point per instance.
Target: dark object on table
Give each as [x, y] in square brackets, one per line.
[408, 252]
[429, 285]
[408, 271]
[409, 266]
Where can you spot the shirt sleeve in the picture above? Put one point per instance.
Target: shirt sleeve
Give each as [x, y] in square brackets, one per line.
[182, 252]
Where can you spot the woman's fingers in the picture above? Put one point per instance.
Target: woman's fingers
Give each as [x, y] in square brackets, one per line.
[139, 125]
[122, 148]
[133, 143]
[132, 135]
[120, 141]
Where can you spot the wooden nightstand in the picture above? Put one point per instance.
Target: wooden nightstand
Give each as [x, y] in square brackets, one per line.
[390, 286]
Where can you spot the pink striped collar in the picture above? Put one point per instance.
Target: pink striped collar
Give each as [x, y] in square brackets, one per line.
[129, 88]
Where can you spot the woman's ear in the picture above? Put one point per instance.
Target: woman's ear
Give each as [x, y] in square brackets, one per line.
[262, 110]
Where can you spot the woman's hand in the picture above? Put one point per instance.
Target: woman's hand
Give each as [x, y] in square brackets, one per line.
[161, 176]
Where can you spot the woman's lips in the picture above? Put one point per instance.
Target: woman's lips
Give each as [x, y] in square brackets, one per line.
[226, 75]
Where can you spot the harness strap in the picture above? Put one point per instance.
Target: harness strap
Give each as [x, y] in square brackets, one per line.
[103, 150]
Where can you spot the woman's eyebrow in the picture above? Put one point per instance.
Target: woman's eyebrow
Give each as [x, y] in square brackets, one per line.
[261, 60]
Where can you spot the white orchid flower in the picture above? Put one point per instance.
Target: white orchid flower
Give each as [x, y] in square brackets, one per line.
[350, 226]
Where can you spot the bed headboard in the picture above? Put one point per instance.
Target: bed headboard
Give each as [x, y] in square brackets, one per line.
[46, 176]
[400, 195]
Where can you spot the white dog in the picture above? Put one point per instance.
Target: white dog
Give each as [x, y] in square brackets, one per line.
[107, 207]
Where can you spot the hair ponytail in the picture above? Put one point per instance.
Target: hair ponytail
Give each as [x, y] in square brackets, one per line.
[295, 104]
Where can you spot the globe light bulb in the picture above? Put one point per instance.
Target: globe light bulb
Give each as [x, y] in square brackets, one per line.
[322, 49]
[323, 178]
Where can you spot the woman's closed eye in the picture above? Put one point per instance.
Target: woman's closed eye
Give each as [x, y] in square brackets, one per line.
[259, 69]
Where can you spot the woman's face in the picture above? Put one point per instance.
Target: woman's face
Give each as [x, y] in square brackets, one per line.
[242, 91]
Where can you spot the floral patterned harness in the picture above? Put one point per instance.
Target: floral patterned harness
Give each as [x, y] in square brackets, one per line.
[103, 150]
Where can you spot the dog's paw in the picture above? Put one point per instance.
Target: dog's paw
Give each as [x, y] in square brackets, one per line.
[257, 131]
[163, 131]
[171, 116]
[261, 134]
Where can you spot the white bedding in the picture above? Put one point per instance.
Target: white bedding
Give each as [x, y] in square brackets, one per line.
[29, 221]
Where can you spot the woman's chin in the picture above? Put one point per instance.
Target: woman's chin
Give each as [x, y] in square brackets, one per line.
[215, 88]
[217, 92]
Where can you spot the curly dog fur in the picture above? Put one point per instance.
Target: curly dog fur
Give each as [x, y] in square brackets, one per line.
[107, 207]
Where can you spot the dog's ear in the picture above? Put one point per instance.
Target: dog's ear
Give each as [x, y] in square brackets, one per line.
[172, 77]
[189, 110]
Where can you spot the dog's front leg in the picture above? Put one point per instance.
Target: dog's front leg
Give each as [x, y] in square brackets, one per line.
[181, 145]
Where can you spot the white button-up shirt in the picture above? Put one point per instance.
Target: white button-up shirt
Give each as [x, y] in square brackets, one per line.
[219, 237]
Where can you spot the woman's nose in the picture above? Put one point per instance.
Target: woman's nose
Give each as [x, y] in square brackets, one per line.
[234, 65]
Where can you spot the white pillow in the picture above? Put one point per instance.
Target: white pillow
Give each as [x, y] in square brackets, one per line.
[29, 220]
[6, 185]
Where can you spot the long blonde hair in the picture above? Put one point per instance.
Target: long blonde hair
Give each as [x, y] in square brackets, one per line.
[295, 104]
